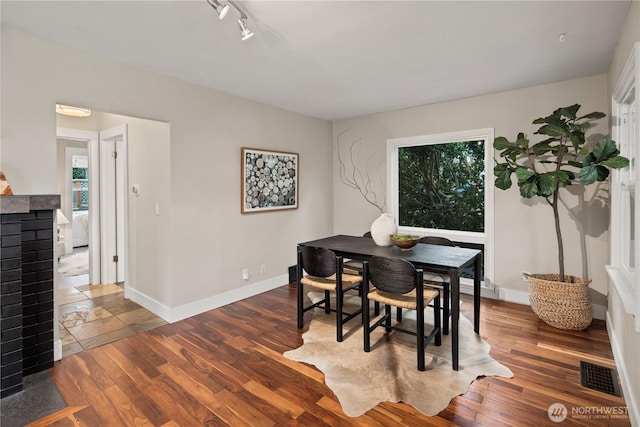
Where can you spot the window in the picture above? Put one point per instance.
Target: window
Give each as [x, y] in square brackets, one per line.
[624, 186]
[80, 183]
[437, 187]
[442, 186]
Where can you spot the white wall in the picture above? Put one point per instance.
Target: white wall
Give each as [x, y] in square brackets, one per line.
[524, 235]
[625, 341]
[207, 241]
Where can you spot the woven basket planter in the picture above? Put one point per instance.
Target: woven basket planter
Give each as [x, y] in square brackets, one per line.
[563, 305]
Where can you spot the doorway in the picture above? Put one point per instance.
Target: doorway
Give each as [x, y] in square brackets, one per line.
[93, 201]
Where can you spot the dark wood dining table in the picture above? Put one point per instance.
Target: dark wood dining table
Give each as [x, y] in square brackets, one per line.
[445, 259]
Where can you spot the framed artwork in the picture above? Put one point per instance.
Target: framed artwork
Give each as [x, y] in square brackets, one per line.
[269, 180]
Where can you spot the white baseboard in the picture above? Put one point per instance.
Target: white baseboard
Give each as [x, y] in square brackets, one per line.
[623, 373]
[510, 295]
[149, 303]
[172, 315]
[57, 350]
[197, 307]
[522, 297]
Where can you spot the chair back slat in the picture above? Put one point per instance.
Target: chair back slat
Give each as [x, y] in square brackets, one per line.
[318, 262]
[436, 240]
[392, 275]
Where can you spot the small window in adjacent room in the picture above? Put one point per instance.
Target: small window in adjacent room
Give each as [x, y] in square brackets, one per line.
[80, 183]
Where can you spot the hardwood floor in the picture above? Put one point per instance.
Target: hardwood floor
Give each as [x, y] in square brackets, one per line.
[225, 367]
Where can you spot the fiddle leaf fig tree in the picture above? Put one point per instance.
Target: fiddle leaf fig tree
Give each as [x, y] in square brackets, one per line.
[560, 159]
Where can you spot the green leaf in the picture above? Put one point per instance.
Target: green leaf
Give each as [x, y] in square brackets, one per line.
[588, 174]
[546, 185]
[564, 177]
[523, 174]
[589, 159]
[528, 189]
[605, 149]
[569, 112]
[592, 116]
[603, 172]
[577, 139]
[500, 143]
[540, 148]
[502, 173]
[617, 162]
[554, 128]
[522, 141]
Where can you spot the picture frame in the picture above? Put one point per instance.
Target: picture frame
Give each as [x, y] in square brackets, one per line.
[269, 180]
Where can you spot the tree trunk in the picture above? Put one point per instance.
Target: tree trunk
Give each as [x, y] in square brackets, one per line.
[556, 218]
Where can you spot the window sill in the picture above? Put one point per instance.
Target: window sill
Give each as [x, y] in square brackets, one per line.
[624, 287]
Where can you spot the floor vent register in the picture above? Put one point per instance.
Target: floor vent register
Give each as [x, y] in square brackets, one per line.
[599, 378]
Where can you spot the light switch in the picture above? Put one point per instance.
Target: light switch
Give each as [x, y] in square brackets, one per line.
[158, 209]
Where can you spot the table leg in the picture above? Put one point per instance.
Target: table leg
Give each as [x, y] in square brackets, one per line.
[299, 290]
[477, 272]
[455, 314]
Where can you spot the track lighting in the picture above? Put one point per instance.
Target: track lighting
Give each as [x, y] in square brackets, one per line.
[245, 32]
[222, 10]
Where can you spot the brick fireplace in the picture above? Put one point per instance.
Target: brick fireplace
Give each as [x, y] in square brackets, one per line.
[26, 287]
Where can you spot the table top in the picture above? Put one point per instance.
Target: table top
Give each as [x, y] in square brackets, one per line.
[421, 255]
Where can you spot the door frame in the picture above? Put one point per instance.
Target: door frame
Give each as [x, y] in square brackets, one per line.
[92, 140]
[115, 205]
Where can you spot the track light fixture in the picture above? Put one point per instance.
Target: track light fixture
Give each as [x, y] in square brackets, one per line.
[245, 32]
[222, 10]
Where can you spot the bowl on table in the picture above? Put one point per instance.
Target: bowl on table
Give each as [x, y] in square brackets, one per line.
[404, 241]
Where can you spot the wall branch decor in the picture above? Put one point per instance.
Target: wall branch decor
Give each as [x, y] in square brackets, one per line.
[269, 180]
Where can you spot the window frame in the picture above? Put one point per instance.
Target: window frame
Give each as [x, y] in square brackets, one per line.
[625, 181]
[487, 237]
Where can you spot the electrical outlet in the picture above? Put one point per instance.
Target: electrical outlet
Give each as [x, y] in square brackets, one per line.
[263, 269]
[245, 274]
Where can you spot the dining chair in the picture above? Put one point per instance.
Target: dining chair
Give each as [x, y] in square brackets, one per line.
[396, 282]
[324, 272]
[440, 281]
[354, 265]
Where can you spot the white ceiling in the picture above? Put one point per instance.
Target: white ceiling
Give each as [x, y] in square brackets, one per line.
[338, 59]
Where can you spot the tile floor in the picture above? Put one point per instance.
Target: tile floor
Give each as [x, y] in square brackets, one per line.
[93, 315]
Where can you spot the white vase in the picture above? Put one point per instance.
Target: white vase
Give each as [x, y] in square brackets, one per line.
[382, 228]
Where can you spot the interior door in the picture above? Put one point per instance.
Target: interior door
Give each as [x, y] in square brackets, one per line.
[114, 206]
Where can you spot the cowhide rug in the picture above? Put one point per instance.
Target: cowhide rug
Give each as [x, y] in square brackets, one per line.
[389, 372]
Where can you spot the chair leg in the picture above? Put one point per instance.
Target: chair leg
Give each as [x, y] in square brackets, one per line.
[366, 332]
[445, 309]
[339, 318]
[387, 317]
[436, 320]
[327, 302]
[399, 314]
[300, 308]
[420, 338]
[300, 296]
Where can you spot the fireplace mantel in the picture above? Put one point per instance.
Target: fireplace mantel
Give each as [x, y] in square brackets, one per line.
[27, 203]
